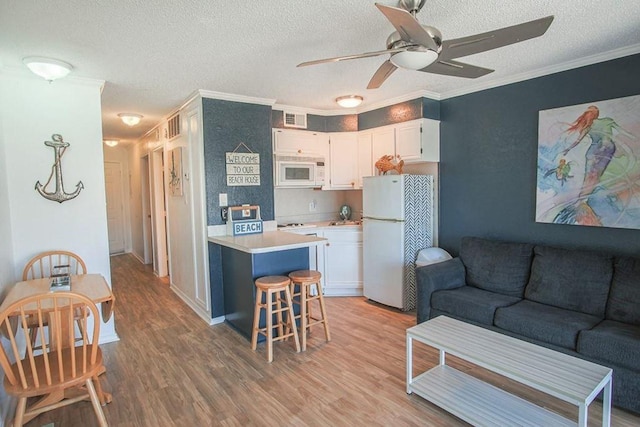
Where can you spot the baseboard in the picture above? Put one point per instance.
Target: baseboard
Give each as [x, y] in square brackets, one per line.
[108, 338]
[203, 314]
[217, 320]
[138, 258]
[343, 291]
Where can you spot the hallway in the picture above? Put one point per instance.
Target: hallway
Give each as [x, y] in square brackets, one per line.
[172, 369]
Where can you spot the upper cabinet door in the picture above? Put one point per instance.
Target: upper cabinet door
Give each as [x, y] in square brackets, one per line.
[365, 157]
[298, 142]
[409, 140]
[430, 140]
[343, 147]
[382, 143]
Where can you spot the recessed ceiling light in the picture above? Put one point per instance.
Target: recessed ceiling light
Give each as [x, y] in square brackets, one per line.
[130, 119]
[47, 68]
[349, 101]
[111, 142]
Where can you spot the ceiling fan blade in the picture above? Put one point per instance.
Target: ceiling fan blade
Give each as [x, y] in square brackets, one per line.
[409, 28]
[456, 69]
[383, 72]
[347, 57]
[465, 46]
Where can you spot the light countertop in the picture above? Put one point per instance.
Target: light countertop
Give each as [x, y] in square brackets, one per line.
[269, 241]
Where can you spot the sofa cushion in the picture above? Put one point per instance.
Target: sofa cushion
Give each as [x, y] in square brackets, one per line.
[501, 267]
[624, 297]
[572, 279]
[544, 322]
[471, 303]
[612, 342]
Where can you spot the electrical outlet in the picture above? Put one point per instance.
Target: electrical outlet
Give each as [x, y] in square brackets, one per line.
[312, 205]
[223, 201]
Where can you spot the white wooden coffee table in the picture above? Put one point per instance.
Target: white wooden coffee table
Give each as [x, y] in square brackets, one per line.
[566, 377]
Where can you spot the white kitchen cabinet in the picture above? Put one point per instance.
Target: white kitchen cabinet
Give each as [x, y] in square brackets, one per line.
[383, 142]
[289, 141]
[365, 156]
[343, 148]
[412, 141]
[343, 261]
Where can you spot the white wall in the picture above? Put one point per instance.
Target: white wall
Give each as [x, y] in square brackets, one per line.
[31, 110]
[7, 273]
[293, 204]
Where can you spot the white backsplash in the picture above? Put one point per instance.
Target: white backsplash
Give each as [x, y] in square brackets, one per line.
[308, 205]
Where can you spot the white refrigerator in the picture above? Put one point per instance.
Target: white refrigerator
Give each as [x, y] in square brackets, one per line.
[397, 222]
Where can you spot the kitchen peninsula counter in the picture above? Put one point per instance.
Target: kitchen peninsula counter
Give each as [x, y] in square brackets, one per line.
[269, 241]
[243, 259]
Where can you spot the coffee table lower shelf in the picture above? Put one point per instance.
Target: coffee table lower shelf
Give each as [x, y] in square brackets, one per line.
[479, 403]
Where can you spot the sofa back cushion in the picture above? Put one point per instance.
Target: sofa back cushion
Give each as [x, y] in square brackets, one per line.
[624, 298]
[501, 267]
[571, 279]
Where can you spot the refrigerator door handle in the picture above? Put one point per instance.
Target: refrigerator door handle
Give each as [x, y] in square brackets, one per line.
[370, 218]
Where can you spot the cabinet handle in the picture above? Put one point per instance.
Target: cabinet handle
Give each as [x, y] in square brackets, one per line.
[353, 184]
[299, 151]
[328, 244]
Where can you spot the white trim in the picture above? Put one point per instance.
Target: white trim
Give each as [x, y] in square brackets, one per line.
[553, 69]
[108, 338]
[195, 307]
[217, 320]
[237, 98]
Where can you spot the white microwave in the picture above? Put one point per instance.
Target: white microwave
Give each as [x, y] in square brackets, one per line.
[299, 171]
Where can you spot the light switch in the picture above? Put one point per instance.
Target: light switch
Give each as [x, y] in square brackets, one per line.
[222, 200]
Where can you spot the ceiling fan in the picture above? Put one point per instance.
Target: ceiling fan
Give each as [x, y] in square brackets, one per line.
[420, 47]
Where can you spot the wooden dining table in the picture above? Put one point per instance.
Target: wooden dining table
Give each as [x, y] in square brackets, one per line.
[93, 286]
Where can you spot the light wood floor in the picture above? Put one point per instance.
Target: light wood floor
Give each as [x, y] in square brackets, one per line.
[172, 369]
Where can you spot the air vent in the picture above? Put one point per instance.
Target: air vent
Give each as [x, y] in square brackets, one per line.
[294, 120]
[174, 126]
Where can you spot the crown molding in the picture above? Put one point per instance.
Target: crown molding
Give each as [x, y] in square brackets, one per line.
[399, 99]
[237, 98]
[565, 66]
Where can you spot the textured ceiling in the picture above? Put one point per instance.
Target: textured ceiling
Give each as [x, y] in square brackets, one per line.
[152, 55]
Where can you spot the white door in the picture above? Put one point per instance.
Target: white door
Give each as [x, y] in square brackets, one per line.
[365, 161]
[383, 261]
[383, 197]
[115, 211]
[409, 140]
[344, 159]
[383, 143]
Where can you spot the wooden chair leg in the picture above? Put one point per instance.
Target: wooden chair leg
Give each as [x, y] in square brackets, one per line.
[269, 326]
[256, 320]
[291, 317]
[96, 403]
[22, 406]
[323, 311]
[304, 315]
[279, 315]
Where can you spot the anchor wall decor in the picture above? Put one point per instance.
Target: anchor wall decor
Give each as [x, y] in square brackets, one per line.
[59, 195]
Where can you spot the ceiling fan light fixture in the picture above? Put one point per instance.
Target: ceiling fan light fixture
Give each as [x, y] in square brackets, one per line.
[130, 119]
[111, 142]
[47, 68]
[349, 101]
[414, 59]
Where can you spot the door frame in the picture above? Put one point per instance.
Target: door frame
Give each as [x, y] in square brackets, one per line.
[158, 212]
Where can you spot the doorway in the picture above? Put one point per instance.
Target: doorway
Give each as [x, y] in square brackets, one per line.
[154, 231]
[115, 206]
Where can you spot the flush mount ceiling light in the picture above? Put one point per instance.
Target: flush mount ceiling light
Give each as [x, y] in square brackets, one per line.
[111, 142]
[349, 101]
[130, 119]
[47, 68]
[414, 59]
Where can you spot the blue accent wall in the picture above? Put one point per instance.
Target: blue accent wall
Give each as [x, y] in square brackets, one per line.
[225, 125]
[402, 112]
[488, 149]
[315, 123]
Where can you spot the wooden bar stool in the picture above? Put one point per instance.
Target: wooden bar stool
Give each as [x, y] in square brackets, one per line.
[305, 279]
[272, 286]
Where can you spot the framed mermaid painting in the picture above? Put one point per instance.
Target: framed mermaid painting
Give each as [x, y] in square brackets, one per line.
[589, 164]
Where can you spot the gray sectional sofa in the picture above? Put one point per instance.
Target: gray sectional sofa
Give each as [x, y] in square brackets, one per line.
[582, 303]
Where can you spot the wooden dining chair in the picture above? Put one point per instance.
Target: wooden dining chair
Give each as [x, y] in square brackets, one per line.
[63, 371]
[42, 265]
